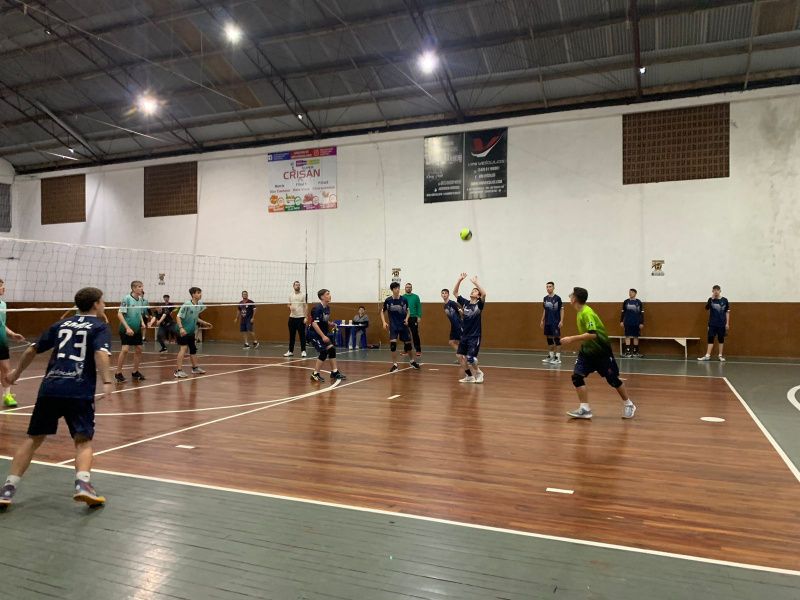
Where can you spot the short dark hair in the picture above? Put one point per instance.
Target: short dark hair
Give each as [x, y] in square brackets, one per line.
[166, 295]
[245, 292]
[633, 290]
[193, 290]
[135, 282]
[86, 297]
[364, 307]
[716, 287]
[550, 283]
[394, 286]
[322, 292]
[445, 290]
[581, 294]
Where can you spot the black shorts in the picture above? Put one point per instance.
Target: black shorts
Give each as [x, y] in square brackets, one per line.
[77, 412]
[131, 340]
[632, 331]
[455, 333]
[399, 333]
[245, 325]
[188, 340]
[717, 331]
[604, 365]
[316, 341]
[552, 330]
[469, 347]
[4, 354]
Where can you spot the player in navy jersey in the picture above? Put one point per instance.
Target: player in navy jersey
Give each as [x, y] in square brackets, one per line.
[317, 336]
[632, 322]
[395, 309]
[470, 343]
[552, 321]
[453, 312]
[719, 321]
[81, 347]
[245, 315]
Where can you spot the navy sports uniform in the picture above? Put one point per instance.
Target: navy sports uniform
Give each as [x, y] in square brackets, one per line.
[320, 315]
[398, 311]
[470, 343]
[247, 309]
[68, 387]
[717, 318]
[632, 317]
[552, 316]
[453, 313]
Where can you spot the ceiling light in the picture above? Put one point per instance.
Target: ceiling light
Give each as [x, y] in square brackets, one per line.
[300, 117]
[72, 150]
[147, 104]
[428, 61]
[233, 33]
[48, 31]
[642, 70]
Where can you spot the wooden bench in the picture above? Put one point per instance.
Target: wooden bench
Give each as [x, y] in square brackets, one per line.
[683, 341]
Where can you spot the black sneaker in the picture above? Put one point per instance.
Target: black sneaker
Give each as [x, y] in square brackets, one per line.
[393, 369]
[415, 364]
[256, 345]
[164, 349]
[137, 376]
[338, 375]
[7, 494]
[317, 377]
[120, 378]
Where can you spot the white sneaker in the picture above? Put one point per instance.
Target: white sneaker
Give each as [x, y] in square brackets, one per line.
[547, 359]
[198, 371]
[555, 361]
[479, 377]
[180, 374]
[706, 357]
[467, 379]
[290, 353]
[628, 411]
[303, 354]
[721, 358]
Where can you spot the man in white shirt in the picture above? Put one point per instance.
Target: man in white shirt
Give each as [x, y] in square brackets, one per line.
[297, 319]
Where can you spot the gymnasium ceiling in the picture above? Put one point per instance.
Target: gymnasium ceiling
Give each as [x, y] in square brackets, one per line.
[71, 71]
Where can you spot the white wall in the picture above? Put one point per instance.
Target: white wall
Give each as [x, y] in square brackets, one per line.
[567, 218]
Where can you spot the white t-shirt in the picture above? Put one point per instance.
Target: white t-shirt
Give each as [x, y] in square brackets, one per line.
[298, 303]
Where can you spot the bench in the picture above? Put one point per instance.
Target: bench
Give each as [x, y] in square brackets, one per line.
[683, 341]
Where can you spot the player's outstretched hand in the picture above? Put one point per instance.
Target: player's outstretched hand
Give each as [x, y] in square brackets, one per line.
[18, 337]
[567, 340]
[474, 279]
[462, 277]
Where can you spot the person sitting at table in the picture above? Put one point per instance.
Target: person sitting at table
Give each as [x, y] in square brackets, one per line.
[362, 320]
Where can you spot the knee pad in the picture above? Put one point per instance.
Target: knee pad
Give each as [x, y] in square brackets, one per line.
[323, 354]
[549, 341]
[331, 352]
[407, 346]
[578, 380]
[471, 360]
[557, 341]
[614, 382]
[393, 346]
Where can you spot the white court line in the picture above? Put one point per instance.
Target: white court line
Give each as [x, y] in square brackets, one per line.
[766, 433]
[791, 396]
[241, 414]
[144, 364]
[559, 491]
[184, 447]
[393, 397]
[399, 515]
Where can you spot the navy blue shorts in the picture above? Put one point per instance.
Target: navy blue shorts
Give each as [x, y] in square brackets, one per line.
[455, 333]
[402, 334]
[316, 341]
[632, 331]
[604, 365]
[77, 412]
[131, 340]
[469, 347]
[552, 330]
[245, 325]
[717, 331]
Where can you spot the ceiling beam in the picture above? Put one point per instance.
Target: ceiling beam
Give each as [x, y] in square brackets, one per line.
[633, 15]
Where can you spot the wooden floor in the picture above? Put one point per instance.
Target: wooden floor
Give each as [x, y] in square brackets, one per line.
[480, 454]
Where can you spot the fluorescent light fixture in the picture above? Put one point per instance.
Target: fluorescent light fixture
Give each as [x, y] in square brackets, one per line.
[299, 116]
[233, 33]
[428, 61]
[147, 104]
[642, 70]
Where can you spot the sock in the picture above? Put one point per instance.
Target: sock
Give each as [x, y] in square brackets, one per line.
[585, 405]
[628, 402]
[468, 372]
[82, 476]
[550, 354]
[558, 355]
[13, 480]
[7, 390]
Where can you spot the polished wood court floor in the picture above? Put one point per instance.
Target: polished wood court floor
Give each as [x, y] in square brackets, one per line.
[418, 442]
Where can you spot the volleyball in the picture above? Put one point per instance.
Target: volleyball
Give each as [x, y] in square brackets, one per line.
[466, 234]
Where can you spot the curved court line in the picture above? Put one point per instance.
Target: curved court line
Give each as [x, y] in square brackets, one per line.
[791, 396]
[335, 384]
[767, 434]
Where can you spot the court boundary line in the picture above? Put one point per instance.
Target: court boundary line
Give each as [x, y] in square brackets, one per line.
[410, 516]
[765, 431]
[791, 396]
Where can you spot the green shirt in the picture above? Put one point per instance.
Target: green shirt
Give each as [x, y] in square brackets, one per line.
[414, 305]
[588, 321]
[189, 314]
[3, 336]
[133, 310]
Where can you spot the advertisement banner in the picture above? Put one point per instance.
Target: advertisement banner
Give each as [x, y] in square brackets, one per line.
[444, 168]
[302, 179]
